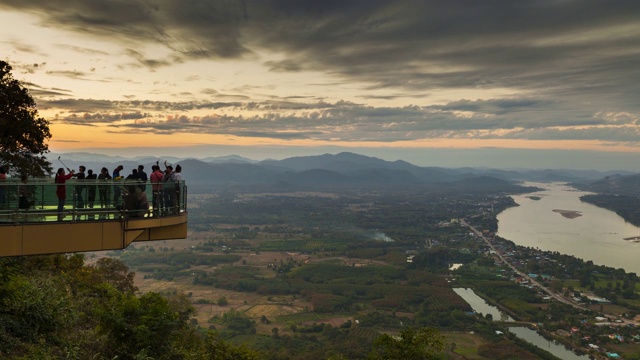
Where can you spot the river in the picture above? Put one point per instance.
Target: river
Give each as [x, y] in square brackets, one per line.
[552, 346]
[480, 306]
[597, 235]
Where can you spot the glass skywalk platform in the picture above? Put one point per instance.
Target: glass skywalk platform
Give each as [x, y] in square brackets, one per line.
[105, 215]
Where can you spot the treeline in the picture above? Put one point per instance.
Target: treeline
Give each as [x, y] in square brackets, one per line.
[243, 278]
[628, 207]
[57, 307]
[169, 265]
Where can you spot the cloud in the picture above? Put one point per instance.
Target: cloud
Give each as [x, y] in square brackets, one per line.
[92, 105]
[500, 118]
[81, 50]
[285, 66]
[151, 64]
[40, 92]
[78, 75]
[563, 46]
[548, 69]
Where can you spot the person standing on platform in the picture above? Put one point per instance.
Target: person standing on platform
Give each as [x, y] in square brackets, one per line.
[91, 190]
[79, 189]
[61, 190]
[23, 193]
[3, 187]
[103, 190]
[169, 189]
[116, 187]
[142, 178]
[156, 186]
[178, 178]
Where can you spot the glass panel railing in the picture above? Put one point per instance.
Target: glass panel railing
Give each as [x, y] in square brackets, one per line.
[42, 200]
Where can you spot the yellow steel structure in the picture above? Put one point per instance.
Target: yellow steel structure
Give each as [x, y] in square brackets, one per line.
[33, 222]
[80, 236]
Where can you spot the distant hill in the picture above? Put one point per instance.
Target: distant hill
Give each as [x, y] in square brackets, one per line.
[616, 184]
[345, 171]
[229, 159]
[484, 183]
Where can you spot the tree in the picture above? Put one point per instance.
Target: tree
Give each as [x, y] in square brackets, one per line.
[23, 133]
[129, 324]
[217, 349]
[422, 343]
[115, 272]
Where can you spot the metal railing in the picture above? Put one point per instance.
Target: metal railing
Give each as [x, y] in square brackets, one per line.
[89, 200]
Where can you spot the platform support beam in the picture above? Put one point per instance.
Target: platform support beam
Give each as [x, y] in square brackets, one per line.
[82, 236]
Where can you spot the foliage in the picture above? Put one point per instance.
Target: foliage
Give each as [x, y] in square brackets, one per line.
[116, 273]
[440, 258]
[504, 350]
[179, 259]
[422, 343]
[222, 301]
[327, 272]
[55, 307]
[624, 205]
[221, 350]
[236, 322]
[23, 133]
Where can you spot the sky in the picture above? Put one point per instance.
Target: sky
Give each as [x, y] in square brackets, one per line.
[544, 83]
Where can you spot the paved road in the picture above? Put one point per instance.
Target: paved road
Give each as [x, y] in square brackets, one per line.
[537, 284]
[554, 295]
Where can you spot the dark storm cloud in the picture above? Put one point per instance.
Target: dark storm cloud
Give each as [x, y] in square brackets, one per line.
[194, 29]
[567, 63]
[530, 44]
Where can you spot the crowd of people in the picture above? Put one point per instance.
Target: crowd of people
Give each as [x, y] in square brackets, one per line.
[136, 194]
[126, 193]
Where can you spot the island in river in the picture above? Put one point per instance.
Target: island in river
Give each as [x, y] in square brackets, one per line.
[569, 214]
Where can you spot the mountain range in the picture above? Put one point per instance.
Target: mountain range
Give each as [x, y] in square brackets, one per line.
[345, 170]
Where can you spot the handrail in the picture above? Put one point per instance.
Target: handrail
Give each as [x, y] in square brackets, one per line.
[36, 200]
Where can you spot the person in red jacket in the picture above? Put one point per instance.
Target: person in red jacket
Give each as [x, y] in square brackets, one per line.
[61, 190]
[156, 186]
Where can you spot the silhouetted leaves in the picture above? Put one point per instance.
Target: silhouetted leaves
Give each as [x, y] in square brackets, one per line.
[23, 133]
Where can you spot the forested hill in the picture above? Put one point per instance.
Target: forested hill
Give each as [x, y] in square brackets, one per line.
[618, 193]
[626, 206]
[628, 185]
